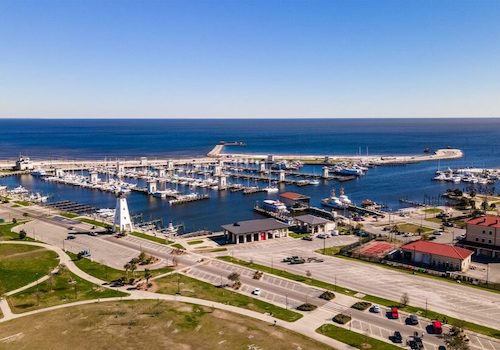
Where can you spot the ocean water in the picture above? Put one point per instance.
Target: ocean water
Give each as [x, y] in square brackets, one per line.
[86, 139]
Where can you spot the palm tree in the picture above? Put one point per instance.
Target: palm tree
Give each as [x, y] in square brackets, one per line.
[127, 267]
[147, 276]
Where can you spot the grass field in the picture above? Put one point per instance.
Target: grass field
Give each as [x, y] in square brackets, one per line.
[432, 210]
[434, 220]
[148, 325]
[331, 251]
[106, 273]
[199, 241]
[23, 264]
[354, 339]
[178, 246]
[6, 233]
[411, 228]
[69, 215]
[151, 238]
[23, 203]
[298, 235]
[288, 275]
[198, 289]
[64, 287]
[93, 222]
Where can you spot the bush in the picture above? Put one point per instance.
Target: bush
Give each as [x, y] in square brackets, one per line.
[22, 234]
[307, 307]
[257, 275]
[327, 295]
[361, 305]
[341, 318]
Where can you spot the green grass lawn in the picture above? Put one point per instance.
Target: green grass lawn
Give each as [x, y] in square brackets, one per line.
[331, 251]
[106, 273]
[6, 233]
[411, 228]
[62, 288]
[432, 210]
[288, 275]
[150, 238]
[23, 203]
[178, 246]
[23, 264]
[199, 241]
[354, 339]
[93, 222]
[297, 235]
[435, 220]
[69, 215]
[191, 287]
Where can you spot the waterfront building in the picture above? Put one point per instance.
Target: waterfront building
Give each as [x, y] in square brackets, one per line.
[292, 199]
[437, 255]
[255, 230]
[314, 224]
[483, 236]
[122, 219]
[24, 163]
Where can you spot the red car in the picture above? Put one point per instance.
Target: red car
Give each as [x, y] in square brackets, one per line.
[394, 313]
[437, 328]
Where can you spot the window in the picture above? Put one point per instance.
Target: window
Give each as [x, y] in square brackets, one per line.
[477, 239]
[484, 231]
[491, 233]
[489, 241]
[482, 240]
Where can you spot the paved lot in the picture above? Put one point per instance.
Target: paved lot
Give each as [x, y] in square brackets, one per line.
[468, 303]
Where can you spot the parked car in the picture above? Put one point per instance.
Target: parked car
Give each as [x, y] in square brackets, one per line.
[375, 309]
[71, 237]
[92, 233]
[256, 291]
[322, 236]
[396, 337]
[441, 347]
[393, 313]
[307, 238]
[412, 320]
[436, 327]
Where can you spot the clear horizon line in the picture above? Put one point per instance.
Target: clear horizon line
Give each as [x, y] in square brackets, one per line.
[233, 118]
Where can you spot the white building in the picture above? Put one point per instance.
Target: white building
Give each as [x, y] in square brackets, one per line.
[122, 219]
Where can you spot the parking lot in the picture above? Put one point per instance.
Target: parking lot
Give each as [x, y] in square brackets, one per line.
[475, 305]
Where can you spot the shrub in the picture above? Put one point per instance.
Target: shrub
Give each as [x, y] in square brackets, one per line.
[307, 307]
[361, 305]
[327, 295]
[341, 318]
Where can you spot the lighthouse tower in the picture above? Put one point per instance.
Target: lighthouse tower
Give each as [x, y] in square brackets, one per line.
[122, 216]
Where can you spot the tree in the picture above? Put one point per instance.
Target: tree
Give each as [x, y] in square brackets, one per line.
[420, 230]
[14, 220]
[308, 273]
[133, 267]
[234, 276]
[147, 275]
[405, 299]
[22, 234]
[127, 267]
[456, 339]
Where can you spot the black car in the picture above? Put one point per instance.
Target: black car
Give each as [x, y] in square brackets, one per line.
[441, 347]
[71, 237]
[307, 238]
[396, 337]
[412, 320]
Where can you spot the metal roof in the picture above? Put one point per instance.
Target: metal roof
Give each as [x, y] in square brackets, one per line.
[446, 250]
[253, 226]
[311, 219]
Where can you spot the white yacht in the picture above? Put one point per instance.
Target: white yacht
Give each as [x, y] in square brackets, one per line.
[335, 202]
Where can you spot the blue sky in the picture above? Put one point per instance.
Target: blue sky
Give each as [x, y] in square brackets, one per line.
[253, 58]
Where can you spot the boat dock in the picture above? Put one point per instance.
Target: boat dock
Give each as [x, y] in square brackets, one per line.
[73, 207]
[187, 198]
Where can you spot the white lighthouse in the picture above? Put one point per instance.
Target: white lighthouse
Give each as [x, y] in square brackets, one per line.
[122, 221]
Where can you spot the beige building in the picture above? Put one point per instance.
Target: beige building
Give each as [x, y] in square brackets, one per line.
[483, 236]
[437, 256]
[314, 224]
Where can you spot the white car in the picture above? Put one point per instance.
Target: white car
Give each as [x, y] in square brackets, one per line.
[256, 291]
[375, 309]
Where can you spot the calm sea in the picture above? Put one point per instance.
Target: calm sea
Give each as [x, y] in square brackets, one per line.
[79, 139]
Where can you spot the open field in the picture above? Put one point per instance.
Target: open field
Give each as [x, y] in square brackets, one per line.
[63, 287]
[24, 264]
[69, 215]
[106, 273]
[357, 340]
[147, 325]
[191, 287]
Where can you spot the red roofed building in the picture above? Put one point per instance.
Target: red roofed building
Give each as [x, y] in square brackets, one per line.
[436, 255]
[292, 199]
[483, 236]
